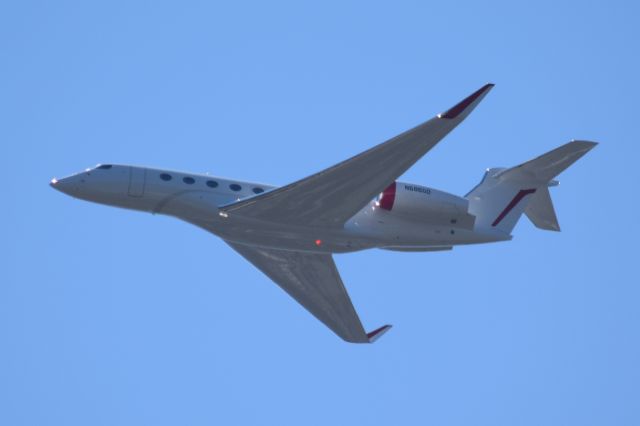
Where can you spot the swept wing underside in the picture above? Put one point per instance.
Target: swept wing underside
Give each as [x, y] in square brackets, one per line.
[332, 196]
[313, 281]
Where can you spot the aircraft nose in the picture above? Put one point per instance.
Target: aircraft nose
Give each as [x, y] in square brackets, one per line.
[63, 185]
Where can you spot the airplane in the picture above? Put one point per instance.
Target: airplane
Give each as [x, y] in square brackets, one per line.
[291, 232]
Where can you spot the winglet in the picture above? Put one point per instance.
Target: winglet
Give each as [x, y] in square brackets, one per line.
[377, 333]
[467, 105]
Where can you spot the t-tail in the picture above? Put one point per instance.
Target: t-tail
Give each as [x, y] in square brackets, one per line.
[503, 195]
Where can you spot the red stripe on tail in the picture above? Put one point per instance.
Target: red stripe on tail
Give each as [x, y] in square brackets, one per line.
[519, 196]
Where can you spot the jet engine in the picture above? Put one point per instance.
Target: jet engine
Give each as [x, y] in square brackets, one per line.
[419, 203]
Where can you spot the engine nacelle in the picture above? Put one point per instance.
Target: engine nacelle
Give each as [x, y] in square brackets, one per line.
[416, 202]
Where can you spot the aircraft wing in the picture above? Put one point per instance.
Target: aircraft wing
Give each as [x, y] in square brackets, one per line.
[332, 196]
[313, 281]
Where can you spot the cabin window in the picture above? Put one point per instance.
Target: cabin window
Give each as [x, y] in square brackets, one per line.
[188, 180]
[257, 190]
[105, 166]
[165, 176]
[212, 184]
[235, 187]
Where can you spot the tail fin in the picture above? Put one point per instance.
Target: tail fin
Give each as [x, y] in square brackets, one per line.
[504, 194]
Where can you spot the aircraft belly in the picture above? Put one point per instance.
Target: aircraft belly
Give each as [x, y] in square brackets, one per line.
[190, 205]
[388, 229]
[285, 237]
[370, 228]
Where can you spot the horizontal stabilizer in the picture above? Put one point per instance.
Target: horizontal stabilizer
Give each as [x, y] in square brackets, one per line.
[549, 165]
[377, 333]
[503, 195]
[541, 212]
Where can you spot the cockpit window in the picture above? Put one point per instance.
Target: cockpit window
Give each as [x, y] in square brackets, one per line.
[105, 166]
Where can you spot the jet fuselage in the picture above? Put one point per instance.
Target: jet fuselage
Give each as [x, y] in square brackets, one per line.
[196, 198]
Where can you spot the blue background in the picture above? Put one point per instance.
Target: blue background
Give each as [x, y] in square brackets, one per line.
[113, 317]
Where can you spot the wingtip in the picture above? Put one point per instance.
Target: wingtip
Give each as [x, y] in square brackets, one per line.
[377, 333]
[467, 104]
[581, 146]
[585, 143]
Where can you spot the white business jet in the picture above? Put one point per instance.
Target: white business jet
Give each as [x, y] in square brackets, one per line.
[291, 232]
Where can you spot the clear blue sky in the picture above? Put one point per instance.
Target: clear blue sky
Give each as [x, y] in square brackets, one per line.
[112, 317]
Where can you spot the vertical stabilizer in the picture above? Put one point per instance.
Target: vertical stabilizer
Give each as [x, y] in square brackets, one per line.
[504, 194]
